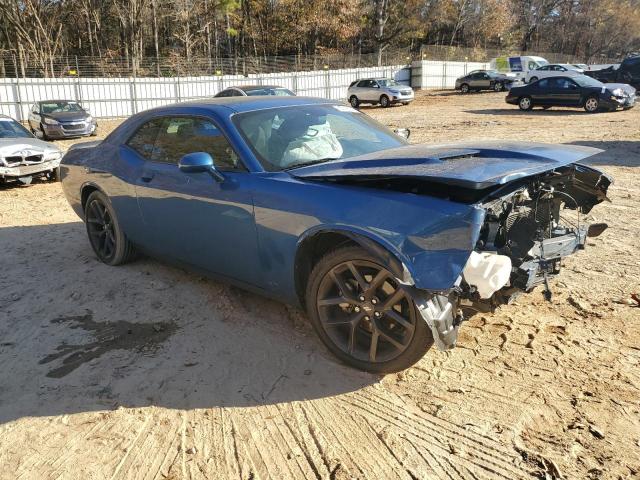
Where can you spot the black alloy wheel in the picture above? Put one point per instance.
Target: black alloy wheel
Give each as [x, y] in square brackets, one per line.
[105, 235]
[363, 314]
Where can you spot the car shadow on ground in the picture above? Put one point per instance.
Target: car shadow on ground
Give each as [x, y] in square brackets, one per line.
[554, 111]
[77, 335]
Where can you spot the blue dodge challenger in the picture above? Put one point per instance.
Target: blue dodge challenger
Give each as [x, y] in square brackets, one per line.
[389, 246]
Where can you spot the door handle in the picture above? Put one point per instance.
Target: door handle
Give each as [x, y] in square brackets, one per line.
[147, 177]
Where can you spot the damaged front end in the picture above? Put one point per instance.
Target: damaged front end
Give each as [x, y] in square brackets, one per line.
[526, 234]
[500, 219]
[529, 228]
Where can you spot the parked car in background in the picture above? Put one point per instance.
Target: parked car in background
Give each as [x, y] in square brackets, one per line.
[483, 80]
[254, 91]
[552, 70]
[307, 200]
[52, 119]
[23, 157]
[517, 67]
[379, 91]
[578, 91]
[627, 72]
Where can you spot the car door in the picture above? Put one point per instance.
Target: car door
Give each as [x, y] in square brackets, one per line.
[372, 91]
[190, 216]
[541, 93]
[475, 80]
[485, 81]
[564, 92]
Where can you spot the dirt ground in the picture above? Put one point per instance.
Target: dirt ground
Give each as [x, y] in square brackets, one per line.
[146, 371]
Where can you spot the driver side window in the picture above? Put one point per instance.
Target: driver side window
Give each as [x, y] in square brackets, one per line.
[168, 139]
[179, 136]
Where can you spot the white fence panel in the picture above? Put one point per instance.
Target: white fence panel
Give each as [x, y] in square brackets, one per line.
[440, 74]
[121, 97]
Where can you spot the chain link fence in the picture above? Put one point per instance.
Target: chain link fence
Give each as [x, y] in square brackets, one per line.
[13, 65]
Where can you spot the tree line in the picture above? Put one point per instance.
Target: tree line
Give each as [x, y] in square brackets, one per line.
[135, 30]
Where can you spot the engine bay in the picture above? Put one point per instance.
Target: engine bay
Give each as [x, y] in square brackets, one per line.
[537, 223]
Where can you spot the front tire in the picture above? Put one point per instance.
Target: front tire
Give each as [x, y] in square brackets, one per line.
[384, 101]
[464, 88]
[363, 315]
[525, 103]
[107, 239]
[498, 86]
[592, 104]
[54, 175]
[354, 102]
[533, 79]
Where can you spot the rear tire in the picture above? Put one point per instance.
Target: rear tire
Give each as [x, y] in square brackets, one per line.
[106, 236]
[384, 101]
[354, 102]
[349, 326]
[592, 104]
[525, 103]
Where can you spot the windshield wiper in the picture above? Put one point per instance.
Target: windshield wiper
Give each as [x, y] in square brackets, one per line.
[312, 162]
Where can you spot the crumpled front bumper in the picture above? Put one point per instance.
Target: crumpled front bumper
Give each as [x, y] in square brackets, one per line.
[26, 170]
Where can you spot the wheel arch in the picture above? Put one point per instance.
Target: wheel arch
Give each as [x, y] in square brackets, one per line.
[86, 190]
[317, 242]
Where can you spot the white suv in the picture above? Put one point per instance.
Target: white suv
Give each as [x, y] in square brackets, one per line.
[383, 91]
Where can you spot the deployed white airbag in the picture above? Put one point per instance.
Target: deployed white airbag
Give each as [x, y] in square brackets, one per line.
[488, 272]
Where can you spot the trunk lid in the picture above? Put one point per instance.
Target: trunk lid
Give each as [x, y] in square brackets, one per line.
[475, 166]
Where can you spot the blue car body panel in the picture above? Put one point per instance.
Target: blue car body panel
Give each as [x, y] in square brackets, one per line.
[249, 228]
[477, 166]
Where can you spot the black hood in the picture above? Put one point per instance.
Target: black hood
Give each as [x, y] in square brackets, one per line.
[67, 116]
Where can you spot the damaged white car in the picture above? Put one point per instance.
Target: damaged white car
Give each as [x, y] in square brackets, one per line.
[24, 157]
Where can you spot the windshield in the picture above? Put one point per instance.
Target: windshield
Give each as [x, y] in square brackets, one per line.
[57, 107]
[278, 91]
[585, 81]
[289, 137]
[387, 82]
[9, 128]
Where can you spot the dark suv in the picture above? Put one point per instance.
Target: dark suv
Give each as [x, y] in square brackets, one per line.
[627, 72]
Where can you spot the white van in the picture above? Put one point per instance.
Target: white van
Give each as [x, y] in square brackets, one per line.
[517, 67]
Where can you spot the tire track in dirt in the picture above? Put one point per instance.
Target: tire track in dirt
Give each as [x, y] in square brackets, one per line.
[435, 434]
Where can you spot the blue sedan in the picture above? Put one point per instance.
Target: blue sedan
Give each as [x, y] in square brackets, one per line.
[389, 246]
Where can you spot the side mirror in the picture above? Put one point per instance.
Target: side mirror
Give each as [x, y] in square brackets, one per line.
[403, 132]
[199, 162]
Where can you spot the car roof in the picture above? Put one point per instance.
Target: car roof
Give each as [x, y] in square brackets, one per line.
[57, 100]
[253, 87]
[246, 104]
